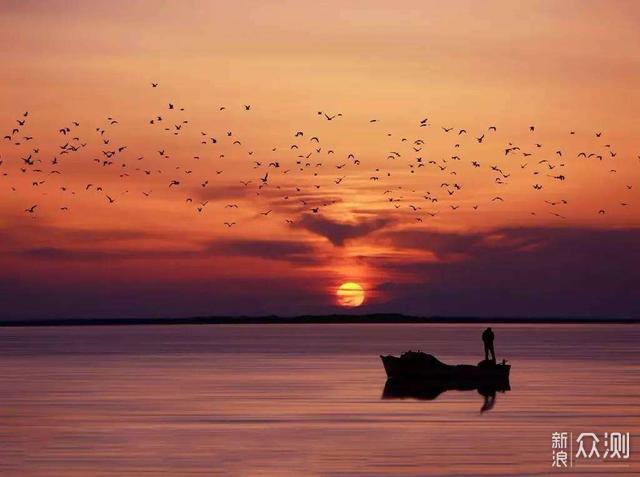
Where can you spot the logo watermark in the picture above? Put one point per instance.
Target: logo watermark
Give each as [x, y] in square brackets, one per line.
[589, 449]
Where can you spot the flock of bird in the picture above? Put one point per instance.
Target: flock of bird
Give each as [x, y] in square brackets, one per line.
[307, 171]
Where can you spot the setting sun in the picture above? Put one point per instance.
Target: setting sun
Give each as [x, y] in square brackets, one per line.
[350, 294]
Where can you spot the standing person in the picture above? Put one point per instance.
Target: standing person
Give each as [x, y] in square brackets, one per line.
[487, 339]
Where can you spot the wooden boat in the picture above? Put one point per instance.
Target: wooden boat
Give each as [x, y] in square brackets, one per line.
[419, 365]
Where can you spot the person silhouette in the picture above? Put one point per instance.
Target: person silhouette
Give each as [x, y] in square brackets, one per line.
[487, 339]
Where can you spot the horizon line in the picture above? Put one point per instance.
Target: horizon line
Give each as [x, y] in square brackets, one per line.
[335, 318]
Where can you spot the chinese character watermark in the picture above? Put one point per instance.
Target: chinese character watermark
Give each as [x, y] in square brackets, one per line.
[592, 448]
[559, 449]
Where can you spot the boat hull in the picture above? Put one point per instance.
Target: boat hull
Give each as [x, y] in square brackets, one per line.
[484, 372]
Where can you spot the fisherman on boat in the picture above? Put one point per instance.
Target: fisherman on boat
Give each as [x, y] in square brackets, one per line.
[487, 339]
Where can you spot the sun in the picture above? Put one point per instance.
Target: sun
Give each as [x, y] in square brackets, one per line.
[350, 294]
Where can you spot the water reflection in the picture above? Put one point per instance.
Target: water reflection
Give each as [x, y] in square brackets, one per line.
[296, 400]
[429, 390]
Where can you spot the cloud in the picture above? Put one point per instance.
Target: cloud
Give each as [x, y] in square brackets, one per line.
[19, 234]
[339, 232]
[517, 271]
[285, 250]
[97, 254]
[501, 272]
[281, 250]
[59, 295]
[441, 244]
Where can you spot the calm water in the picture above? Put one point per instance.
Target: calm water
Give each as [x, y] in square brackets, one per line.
[302, 400]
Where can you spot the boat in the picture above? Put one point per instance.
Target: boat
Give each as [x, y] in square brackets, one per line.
[414, 365]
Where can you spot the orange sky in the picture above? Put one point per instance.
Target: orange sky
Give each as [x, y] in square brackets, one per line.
[560, 66]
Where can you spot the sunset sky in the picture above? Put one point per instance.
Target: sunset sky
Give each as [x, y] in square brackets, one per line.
[428, 222]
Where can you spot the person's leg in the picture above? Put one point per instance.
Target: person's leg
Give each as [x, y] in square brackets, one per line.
[493, 352]
[486, 352]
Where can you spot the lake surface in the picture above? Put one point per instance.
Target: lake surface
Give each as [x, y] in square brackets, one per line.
[303, 400]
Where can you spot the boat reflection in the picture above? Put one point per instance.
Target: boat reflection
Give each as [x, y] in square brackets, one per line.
[430, 390]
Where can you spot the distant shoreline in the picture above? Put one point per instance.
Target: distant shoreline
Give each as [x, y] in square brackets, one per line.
[310, 319]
